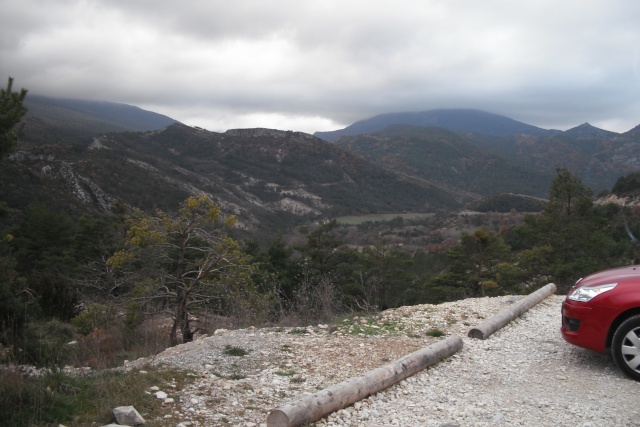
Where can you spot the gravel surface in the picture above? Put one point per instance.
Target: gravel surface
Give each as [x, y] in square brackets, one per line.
[523, 375]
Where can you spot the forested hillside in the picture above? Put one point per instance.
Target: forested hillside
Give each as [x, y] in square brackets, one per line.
[136, 252]
[272, 180]
[446, 158]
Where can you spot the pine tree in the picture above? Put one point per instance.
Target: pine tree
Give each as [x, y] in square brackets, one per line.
[187, 262]
[11, 112]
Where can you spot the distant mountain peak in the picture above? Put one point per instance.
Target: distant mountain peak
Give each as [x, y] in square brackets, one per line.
[586, 130]
[633, 133]
[455, 119]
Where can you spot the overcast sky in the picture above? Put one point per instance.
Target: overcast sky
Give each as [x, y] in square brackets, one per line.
[318, 65]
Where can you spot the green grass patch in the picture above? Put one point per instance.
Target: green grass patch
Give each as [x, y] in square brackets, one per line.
[286, 348]
[231, 350]
[435, 332]
[236, 377]
[361, 219]
[57, 398]
[372, 327]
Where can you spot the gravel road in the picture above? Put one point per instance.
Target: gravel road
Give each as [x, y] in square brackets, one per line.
[523, 375]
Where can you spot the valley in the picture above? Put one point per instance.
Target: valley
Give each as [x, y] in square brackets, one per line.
[274, 181]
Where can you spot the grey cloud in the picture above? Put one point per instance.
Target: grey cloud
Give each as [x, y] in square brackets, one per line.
[333, 62]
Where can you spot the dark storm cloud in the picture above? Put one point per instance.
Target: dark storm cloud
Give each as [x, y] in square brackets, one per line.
[321, 64]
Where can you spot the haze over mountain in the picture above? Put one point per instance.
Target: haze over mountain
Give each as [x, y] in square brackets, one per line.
[75, 156]
[93, 116]
[448, 159]
[459, 120]
[271, 179]
[598, 156]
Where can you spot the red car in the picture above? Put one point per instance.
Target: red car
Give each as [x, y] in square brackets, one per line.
[602, 311]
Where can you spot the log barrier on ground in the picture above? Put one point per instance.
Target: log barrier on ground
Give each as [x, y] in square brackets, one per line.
[497, 321]
[311, 408]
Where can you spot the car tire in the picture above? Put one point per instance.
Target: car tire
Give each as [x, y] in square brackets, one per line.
[625, 347]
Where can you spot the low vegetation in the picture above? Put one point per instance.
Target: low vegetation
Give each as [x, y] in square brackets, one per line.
[363, 219]
[235, 351]
[95, 290]
[53, 398]
[134, 271]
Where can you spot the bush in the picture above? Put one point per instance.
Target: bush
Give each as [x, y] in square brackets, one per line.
[46, 344]
[31, 401]
[108, 348]
[57, 398]
[235, 351]
[100, 316]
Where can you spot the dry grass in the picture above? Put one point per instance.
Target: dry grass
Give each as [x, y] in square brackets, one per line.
[82, 400]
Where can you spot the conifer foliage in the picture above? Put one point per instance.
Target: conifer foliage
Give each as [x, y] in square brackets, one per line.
[11, 112]
[186, 262]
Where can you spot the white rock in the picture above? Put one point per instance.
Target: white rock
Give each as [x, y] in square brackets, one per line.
[127, 415]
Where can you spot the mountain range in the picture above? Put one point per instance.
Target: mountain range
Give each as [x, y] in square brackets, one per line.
[526, 156]
[271, 179]
[83, 155]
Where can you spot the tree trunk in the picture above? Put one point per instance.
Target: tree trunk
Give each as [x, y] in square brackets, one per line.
[187, 333]
[180, 319]
[173, 334]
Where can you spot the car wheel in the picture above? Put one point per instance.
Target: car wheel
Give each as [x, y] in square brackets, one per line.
[625, 347]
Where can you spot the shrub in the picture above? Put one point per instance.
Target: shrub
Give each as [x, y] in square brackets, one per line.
[107, 348]
[96, 316]
[57, 398]
[435, 332]
[235, 351]
[46, 344]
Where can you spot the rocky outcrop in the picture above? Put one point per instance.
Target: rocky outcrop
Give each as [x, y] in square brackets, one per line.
[81, 187]
[617, 200]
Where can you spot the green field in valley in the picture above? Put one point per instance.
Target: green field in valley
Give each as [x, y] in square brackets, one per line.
[361, 219]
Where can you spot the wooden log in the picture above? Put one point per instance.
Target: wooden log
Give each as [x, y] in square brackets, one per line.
[313, 407]
[492, 324]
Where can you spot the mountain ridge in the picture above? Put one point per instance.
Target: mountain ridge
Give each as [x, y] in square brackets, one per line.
[274, 178]
[445, 158]
[271, 180]
[586, 130]
[93, 116]
[454, 119]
